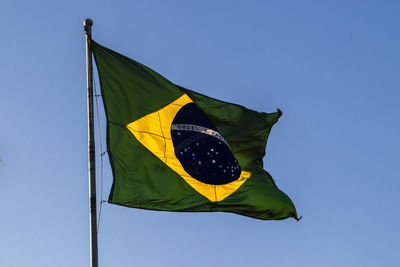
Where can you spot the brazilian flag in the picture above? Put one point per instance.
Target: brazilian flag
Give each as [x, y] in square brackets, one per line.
[173, 149]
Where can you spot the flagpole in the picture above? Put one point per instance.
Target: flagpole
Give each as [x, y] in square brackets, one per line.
[91, 148]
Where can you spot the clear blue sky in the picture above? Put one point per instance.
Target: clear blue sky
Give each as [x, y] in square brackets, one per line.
[332, 67]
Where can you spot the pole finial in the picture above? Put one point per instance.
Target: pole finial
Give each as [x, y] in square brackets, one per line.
[87, 24]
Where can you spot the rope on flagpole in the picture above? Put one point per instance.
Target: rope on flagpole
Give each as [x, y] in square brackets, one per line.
[101, 153]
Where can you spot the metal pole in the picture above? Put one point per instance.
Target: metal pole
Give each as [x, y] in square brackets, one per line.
[91, 148]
